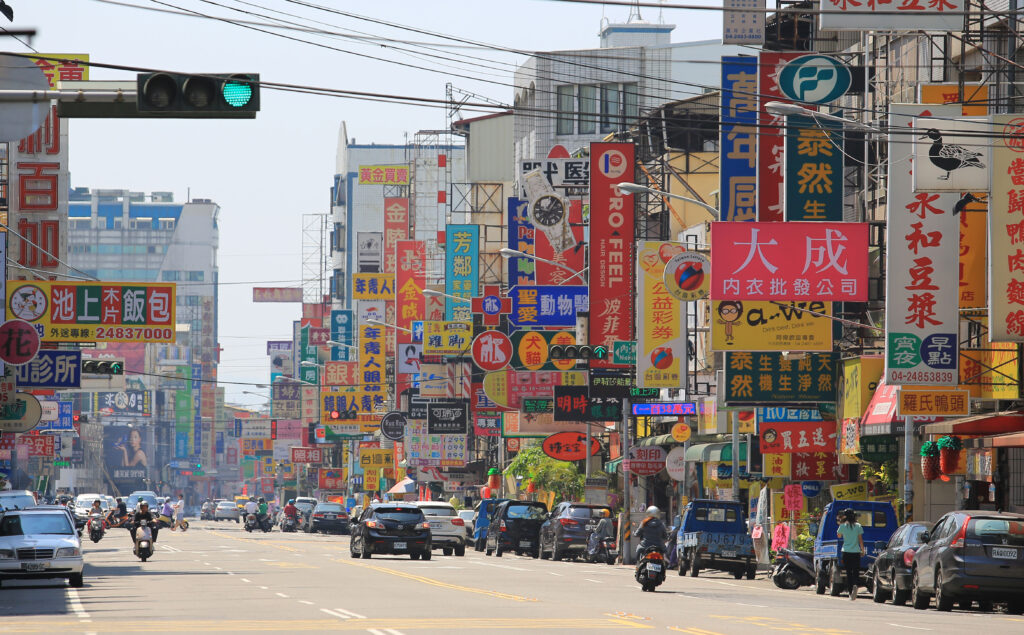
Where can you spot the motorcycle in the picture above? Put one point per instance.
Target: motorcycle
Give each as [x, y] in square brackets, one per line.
[792, 569]
[96, 526]
[289, 524]
[251, 524]
[650, 569]
[601, 550]
[266, 523]
[207, 512]
[144, 540]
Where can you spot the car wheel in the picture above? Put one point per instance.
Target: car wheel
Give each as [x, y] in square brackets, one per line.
[737, 575]
[544, 555]
[965, 605]
[919, 598]
[488, 551]
[821, 581]
[414, 556]
[556, 555]
[695, 565]
[427, 554]
[497, 551]
[943, 601]
[751, 572]
[1015, 608]
[447, 551]
[460, 550]
[364, 553]
[76, 580]
[877, 594]
[835, 588]
[683, 564]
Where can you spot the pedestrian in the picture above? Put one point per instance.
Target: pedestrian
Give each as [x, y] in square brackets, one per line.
[179, 512]
[852, 535]
[168, 510]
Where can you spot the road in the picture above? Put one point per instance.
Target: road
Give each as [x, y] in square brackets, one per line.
[218, 578]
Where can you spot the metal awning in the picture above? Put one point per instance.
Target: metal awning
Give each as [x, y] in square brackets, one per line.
[611, 467]
[724, 453]
[661, 439]
[701, 452]
[988, 424]
[1008, 440]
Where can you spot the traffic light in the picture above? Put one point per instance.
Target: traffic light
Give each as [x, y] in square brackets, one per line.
[105, 367]
[273, 429]
[343, 414]
[80, 418]
[209, 95]
[577, 351]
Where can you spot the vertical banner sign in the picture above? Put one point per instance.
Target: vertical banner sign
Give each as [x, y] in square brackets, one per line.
[182, 410]
[814, 170]
[738, 161]
[922, 283]
[973, 249]
[521, 237]
[196, 441]
[770, 141]
[743, 27]
[396, 228]
[371, 367]
[462, 252]
[341, 331]
[661, 336]
[307, 353]
[611, 246]
[39, 184]
[409, 307]
[1006, 231]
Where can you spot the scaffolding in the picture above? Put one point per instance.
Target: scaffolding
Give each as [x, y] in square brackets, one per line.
[315, 270]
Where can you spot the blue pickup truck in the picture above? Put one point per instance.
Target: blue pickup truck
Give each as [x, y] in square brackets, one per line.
[713, 535]
[878, 518]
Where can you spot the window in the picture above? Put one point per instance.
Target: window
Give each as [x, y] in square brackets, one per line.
[588, 110]
[195, 276]
[610, 108]
[631, 107]
[171, 276]
[438, 511]
[117, 223]
[563, 122]
[167, 223]
[529, 512]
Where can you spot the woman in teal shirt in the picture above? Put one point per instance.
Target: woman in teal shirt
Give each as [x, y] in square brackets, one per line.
[852, 535]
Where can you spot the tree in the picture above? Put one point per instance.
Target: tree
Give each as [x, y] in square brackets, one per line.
[560, 477]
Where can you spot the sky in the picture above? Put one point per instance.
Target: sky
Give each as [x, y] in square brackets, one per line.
[266, 173]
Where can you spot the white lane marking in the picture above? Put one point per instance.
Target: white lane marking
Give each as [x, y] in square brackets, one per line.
[350, 614]
[265, 560]
[724, 583]
[207, 564]
[759, 606]
[306, 602]
[281, 595]
[383, 631]
[76, 603]
[264, 588]
[592, 580]
[499, 566]
[337, 615]
[916, 628]
[218, 569]
[553, 573]
[229, 573]
[246, 580]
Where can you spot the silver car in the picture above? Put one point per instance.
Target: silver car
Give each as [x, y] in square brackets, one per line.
[227, 510]
[447, 528]
[39, 543]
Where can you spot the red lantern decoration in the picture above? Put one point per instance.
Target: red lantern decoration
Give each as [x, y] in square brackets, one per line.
[494, 481]
[485, 492]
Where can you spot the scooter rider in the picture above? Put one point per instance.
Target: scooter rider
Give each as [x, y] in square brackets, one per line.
[251, 507]
[652, 531]
[290, 510]
[117, 514]
[605, 529]
[142, 512]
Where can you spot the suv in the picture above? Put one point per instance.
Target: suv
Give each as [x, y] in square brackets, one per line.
[447, 528]
[328, 517]
[391, 528]
[38, 543]
[566, 532]
[17, 499]
[515, 526]
[968, 556]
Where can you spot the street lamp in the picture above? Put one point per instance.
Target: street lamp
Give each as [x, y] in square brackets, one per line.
[255, 394]
[390, 326]
[782, 109]
[310, 364]
[507, 252]
[433, 293]
[343, 344]
[636, 188]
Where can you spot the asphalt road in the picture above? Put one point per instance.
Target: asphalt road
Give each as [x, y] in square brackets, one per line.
[218, 578]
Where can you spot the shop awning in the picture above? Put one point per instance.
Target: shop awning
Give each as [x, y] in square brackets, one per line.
[404, 486]
[661, 439]
[702, 451]
[725, 453]
[880, 416]
[611, 467]
[988, 424]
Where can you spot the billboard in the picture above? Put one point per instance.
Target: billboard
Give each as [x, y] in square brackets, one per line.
[50, 369]
[462, 269]
[611, 246]
[95, 311]
[968, 170]
[125, 402]
[767, 326]
[547, 305]
[277, 294]
[126, 453]
[342, 330]
[370, 251]
[396, 228]
[908, 15]
[814, 170]
[661, 336]
[743, 27]
[447, 338]
[1006, 232]
[378, 287]
[771, 140]
[521, 237]
[791, 261]
[383, 175]
[738, 142]
[768, 378]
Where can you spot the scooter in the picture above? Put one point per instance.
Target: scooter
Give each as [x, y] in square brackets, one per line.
[251, 524]
[96, 526]
[601, 550]
[289, 524]
[650, 568]
[792, 569]
[266, 523]
[144, 540]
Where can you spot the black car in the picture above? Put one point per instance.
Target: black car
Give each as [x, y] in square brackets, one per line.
[971, 556]
[330, 517]
[515, 526]
[566, 531]
[391, 528]
[891, 571]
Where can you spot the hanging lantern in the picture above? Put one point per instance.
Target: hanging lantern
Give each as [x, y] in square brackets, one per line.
[485, 492]
[494, 478]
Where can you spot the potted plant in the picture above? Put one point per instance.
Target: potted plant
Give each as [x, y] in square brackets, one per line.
[949, 453]
[930, 461]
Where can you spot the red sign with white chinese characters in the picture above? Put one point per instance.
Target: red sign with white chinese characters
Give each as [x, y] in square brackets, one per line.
[771, 141]
[645, 461]
[38, 445]
[1006, 231]
[611, 246]
[396, 228]
[19, 342]
[798, 436]
[307, 455]
[789, 261]
[569, 446]
[492, 350]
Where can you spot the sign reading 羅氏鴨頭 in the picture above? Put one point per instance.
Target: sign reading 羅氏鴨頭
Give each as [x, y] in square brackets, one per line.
[95, 311]
[934, 403]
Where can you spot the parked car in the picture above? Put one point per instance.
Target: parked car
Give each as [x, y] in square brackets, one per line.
[328, 517]
[891, 571]
[227, 510]
[391, 528]
[468, 517]
[713, 535]
[447, 529]
[971, 556]
[515, 526]
[878, 518]
[482, 521]
[16, 499]
[567, 529]
[39, 542]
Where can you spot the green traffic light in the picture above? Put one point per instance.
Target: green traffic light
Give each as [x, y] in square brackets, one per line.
[236, 94]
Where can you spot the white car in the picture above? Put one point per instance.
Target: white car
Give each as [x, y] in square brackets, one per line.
[447, 528]
[227, 510]
[468, 516]
[83, 505]
[39, 543]
[16, 499]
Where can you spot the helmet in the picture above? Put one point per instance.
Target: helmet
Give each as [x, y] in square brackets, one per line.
[252, 498]
[262, 500]
[291, 501]
[143, 503]
[653, 510]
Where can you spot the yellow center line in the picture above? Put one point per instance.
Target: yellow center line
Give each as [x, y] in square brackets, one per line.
[438, 583]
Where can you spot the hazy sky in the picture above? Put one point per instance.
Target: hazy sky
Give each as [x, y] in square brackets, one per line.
[265, 173]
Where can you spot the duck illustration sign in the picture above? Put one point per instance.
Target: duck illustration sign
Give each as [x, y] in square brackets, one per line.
[952, 155]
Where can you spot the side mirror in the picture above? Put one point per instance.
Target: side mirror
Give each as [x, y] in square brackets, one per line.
[925, 537]
[880, 545]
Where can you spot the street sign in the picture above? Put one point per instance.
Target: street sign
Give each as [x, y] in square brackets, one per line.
[392, 426]
[645, 461]
[815, 79]
[492, 350]
[679, 408]
[681, 432]
[20, 415]
[688, 276]
[624, 352]
[307, 455]
[569, 446]
[644, 393]
[19, 342]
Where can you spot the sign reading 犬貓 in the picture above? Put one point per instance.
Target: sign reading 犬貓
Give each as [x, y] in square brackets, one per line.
[461, 259]
[904, 15]
[50, 369]
[547, 306]
[768, 378]
[1006, 231]
[738, 161]
[95, 311]
[922, 284]
[383, 175]
[814, 170]
[790, 261]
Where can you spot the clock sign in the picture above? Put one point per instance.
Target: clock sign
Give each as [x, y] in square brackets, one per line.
[28, 302]
[548, 210]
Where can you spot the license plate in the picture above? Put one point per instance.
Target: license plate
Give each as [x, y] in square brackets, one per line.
[399, 545]
[525, 543]
[1005, 554]
[435, 525]
[330, 516]
[590, 526]
[729, 554]
[33, 566]
[654, 567]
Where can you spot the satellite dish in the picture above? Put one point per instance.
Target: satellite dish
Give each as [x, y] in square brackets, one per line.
[18, 119]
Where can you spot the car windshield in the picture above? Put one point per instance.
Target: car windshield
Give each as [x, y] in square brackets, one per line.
[587, 512]
[304, 505]
[329, 507]
[528, 512]
[399, 514]
[998, 530]
[87, 502]
[34, 524]
[17, 501]
[438, 511]
[150, 500]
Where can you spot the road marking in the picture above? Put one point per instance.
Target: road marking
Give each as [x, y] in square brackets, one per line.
[593, 580]
[281, 595]
[382, 631]
[759, 606]
[333, 623]
[306, 602]
[438, 583]
[723, 583]
[499, 566]
[76, 605]
[264, 588]
[916, 628]
[693, 630]
[351, 614]
[337, 615]
[246, 580]
[553, 573]
[207, 564]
